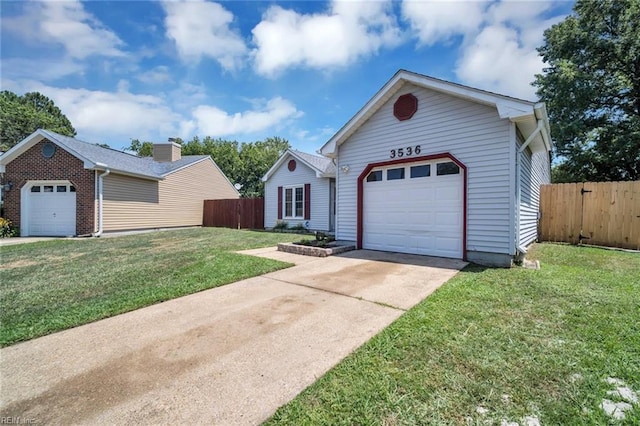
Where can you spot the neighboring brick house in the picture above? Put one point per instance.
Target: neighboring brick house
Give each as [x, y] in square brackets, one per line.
[56, 185]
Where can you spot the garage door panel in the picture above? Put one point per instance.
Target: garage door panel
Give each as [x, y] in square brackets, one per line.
[419, 219]
[448, 219]
[447, 194]
[447, 244]
[420, 215]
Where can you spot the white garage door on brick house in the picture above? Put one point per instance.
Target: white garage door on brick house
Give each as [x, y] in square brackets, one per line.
[49, 208]
[414, 207]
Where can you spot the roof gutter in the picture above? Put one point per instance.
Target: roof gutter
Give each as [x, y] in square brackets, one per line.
[540, 111]
[100, 202]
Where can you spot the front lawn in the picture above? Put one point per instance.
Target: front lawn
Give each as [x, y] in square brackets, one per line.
[496, 346]
[54, 285]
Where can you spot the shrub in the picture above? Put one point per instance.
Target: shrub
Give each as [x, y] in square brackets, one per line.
[299, 227]
[322, 237]
[321, 240]
[6, 228]
[281, 225]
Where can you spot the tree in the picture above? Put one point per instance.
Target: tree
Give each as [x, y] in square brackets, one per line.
[257, 158]
[225, 153]
[22, 115]
[143, 149]
[591, 85]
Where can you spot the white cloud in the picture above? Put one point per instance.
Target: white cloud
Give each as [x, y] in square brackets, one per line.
[157, 75]
[502, 56]
[212, 121]
[496, 61]
[526, 17]
[122, 113]
[499, 39]
[436, 21]
[65, 23]
[348, 31]
[187, 96]
[24, 68]
[116, 117]
[109, 117]
[201, 28]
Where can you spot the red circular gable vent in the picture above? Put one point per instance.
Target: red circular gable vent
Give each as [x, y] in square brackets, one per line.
[291, 165]
[405, 107]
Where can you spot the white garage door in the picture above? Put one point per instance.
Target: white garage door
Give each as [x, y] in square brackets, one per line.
[51, 209]
[415, 208]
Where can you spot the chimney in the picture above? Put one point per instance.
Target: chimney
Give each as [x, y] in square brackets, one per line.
[167, 151]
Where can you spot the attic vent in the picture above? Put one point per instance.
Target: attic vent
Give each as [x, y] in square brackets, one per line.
[405, 107]
[292, 165]
[48, 149]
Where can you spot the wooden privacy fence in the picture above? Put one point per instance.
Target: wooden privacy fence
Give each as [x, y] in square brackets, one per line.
[234, 213]
[602, 213]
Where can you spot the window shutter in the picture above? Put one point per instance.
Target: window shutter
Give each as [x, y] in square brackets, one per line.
[279, 202]
[307, 201]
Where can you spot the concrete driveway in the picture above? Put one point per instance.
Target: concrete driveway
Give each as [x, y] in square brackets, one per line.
[229, 355]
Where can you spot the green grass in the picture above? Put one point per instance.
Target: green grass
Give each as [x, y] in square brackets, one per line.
[54, 285]
[547, 339]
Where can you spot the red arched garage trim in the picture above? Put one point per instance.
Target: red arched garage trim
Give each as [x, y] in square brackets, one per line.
[365, 173]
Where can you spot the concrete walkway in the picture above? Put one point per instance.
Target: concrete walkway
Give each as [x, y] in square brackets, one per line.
[229, 355]
[26, 240]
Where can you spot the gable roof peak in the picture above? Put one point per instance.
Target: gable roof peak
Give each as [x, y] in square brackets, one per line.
[508, 107]
[96, 157]
[322, 166]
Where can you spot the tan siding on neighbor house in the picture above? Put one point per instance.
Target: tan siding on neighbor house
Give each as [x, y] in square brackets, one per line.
[132, 203]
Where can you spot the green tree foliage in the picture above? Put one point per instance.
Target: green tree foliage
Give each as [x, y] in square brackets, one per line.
[592, 89]
[243, 163]
[22, 115]
[257, 158]
[143, 149]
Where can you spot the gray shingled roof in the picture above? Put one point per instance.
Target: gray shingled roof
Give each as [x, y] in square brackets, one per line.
[324, 164]
[121, 161]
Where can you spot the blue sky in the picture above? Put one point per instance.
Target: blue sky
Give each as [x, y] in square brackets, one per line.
[248, 70]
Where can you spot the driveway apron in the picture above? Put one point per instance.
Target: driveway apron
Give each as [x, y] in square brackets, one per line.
[229, 355]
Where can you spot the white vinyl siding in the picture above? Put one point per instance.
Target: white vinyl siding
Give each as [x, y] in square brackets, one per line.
[471, 132]
[300, 176]
[535, 171]
[178, 200]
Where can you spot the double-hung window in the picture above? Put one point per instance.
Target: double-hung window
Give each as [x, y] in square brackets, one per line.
[294, 202]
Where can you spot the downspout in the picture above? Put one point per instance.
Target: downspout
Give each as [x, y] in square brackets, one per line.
[100, 202]
[519, 248]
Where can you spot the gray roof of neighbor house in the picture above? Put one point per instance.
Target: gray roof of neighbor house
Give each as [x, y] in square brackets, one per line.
[324, 164]
[100, 158]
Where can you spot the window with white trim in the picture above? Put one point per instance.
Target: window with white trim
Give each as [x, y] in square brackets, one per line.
[294, 202]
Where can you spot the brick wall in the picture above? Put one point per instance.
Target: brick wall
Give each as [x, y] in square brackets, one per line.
[32, 165]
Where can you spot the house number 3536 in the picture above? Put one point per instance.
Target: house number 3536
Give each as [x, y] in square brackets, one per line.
[406, 151]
